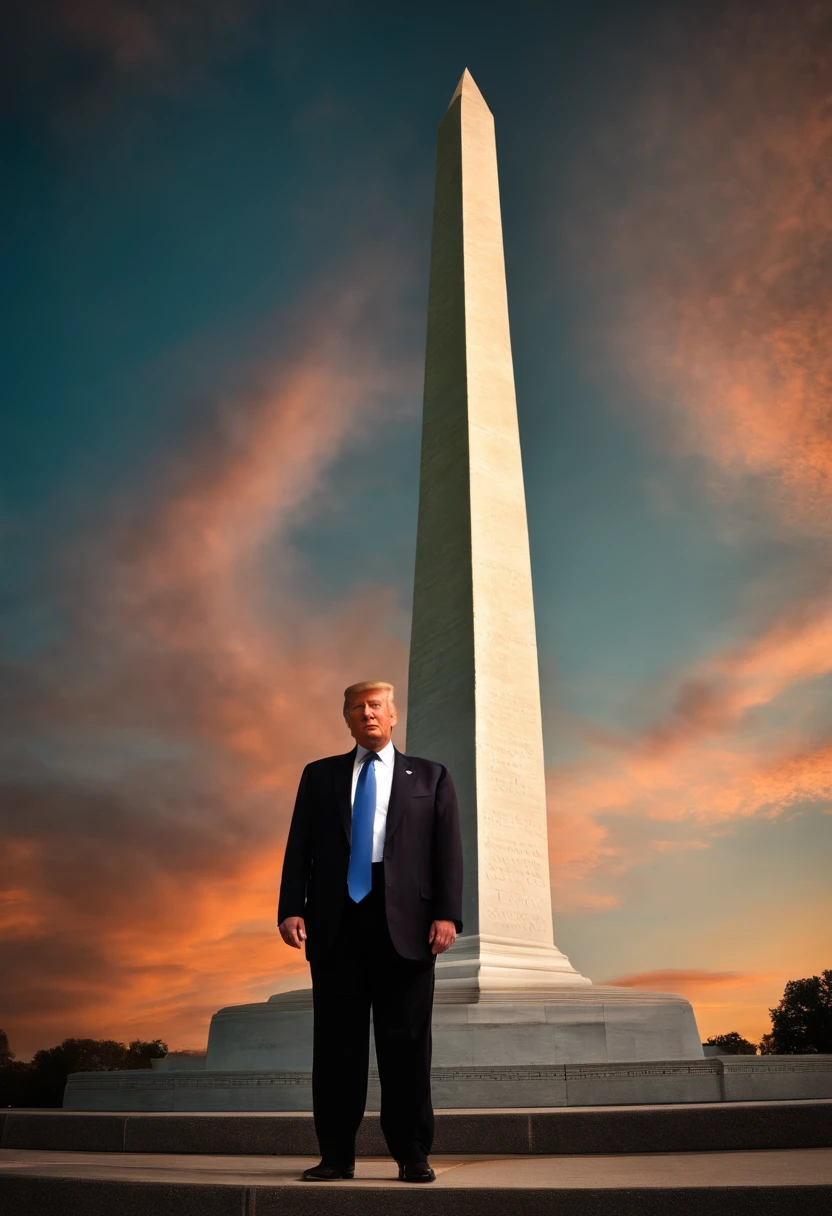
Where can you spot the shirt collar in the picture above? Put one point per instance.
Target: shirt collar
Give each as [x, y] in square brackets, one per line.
[386, 755]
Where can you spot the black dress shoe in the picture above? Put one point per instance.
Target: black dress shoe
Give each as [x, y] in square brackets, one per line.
[328, 1173]
[416, 1171]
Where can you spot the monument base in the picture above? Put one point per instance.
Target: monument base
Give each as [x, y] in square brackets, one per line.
[577, 1045]
[483, 967]
[578, 1023]
[721, 1079]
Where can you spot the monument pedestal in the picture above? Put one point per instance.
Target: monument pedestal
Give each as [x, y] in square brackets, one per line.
[484, 967]
[571, 1024]
[501, 1004]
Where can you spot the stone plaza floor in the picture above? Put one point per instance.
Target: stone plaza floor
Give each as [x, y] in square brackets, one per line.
[784, 1182]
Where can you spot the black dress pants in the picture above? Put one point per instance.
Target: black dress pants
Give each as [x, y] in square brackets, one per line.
[363, 971]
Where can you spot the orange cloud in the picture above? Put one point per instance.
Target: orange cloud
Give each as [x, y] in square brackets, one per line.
[701, 761]
[722, 1000]
[708, 213]
[156, 746]
[717, 255]
[681, 980]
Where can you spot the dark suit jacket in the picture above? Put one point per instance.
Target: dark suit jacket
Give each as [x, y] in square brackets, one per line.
[422, 853]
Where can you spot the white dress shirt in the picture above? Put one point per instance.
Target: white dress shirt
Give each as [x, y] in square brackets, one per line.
[384, 782]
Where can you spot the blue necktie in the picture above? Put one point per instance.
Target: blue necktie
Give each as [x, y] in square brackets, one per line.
[360, 873]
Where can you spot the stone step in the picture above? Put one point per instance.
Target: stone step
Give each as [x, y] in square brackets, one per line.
[620, 1083]
[583, 1130]
[777, 1183]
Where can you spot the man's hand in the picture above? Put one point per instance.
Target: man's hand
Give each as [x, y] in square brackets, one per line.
[442, 935]
[293, 931]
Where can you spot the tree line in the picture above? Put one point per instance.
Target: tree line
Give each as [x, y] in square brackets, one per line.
[41, 1080]
[800, 1025]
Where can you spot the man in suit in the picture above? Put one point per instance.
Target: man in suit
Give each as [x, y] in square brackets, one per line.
[372, 882]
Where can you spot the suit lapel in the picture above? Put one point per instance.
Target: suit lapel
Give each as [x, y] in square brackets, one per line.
[398, 795]
[343, 790]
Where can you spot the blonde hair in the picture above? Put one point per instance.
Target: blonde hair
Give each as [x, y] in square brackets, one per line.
[366, 686]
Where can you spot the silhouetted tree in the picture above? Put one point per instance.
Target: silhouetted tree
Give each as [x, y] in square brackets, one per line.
[42, 1082]
[14, 1075]
[732, 1044]
[140, 1053]
[802, 1022]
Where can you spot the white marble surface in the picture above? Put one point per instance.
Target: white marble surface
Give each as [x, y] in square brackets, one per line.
[784, 1078]
[473, 694]
[592, 1024]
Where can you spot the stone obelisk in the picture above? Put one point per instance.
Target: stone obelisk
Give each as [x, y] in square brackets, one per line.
[474, 693]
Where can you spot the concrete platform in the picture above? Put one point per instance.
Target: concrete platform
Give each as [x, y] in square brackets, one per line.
[712, 1079]
[587, 1130]
[777, 1183]
[526, 1024]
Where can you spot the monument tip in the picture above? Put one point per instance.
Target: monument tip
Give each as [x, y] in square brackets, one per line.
[467, 88]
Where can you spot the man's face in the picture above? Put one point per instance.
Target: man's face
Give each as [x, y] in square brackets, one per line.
[371, 719]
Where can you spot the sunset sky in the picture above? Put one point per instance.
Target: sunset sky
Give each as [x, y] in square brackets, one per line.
[215, 247]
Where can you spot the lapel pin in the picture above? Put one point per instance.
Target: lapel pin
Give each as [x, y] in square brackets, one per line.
[409, 772]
